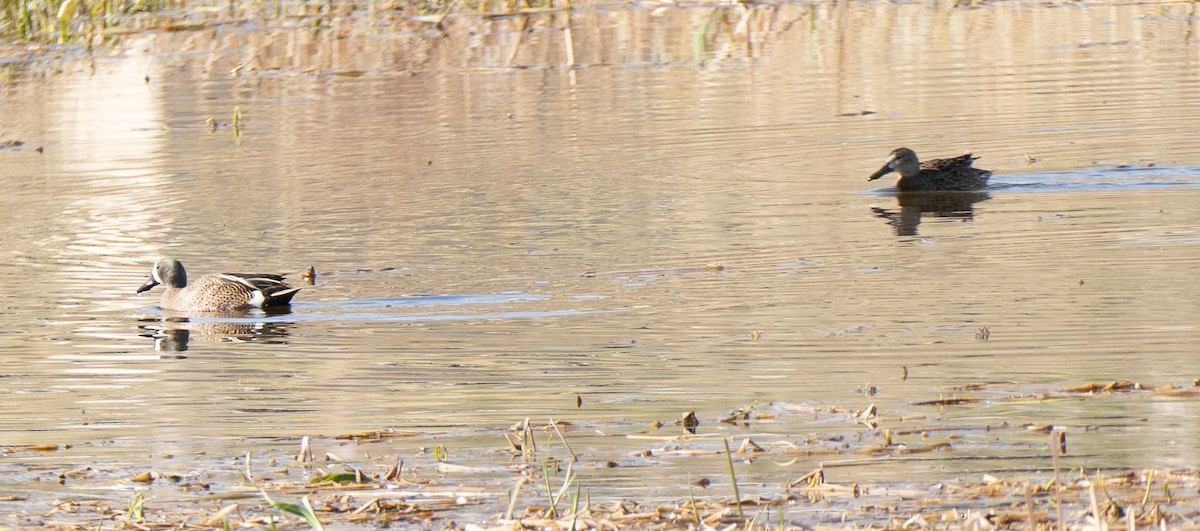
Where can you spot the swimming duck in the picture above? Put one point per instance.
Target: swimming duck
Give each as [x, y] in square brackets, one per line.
[945, 175]
[217, 292]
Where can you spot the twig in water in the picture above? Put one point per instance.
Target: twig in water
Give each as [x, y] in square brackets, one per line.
[528, 441]
[305, 451]
[1100, 525]
[1029, 508]
[512, 502]
[564, 441]
[733, 479]
[373, 504]
[1057, 482]
[692, 502]
[1149, 481]
[396, 473]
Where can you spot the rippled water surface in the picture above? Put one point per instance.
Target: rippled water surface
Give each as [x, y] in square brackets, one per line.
[676, 224]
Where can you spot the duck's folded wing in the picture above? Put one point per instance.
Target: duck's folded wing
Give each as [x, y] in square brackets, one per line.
[948, 165]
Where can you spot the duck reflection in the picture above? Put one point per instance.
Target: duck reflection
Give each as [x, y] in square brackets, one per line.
[914, 205]
[173, 333]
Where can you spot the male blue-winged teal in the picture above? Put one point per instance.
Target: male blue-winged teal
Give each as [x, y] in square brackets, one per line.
[944, 175]
[217, 292]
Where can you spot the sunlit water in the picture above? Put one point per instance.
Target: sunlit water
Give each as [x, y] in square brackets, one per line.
[668, 228]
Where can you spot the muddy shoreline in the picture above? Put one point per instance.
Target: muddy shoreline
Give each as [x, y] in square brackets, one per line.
[534, 476]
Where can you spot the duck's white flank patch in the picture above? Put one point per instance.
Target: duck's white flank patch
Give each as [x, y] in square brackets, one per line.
[257, 299]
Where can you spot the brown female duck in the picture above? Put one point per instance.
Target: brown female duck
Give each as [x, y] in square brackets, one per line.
[939, 175]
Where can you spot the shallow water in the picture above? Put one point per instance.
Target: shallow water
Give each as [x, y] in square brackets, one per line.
[495, 235]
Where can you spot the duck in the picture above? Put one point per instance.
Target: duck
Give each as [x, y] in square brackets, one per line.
[220, 292]
[938, 175]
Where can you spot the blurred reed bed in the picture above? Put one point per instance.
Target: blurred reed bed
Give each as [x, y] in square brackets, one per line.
[79, 21]
[69, 20]
[420, 34]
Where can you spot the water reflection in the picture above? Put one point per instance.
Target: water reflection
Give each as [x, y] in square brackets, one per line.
[108, 151]
[175, 333]
[914, 205]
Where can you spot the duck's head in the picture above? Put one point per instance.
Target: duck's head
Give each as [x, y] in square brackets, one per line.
[166, 271]
[902, 160]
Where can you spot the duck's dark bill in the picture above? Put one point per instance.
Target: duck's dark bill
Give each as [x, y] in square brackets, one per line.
[149, 284]
[882, 171]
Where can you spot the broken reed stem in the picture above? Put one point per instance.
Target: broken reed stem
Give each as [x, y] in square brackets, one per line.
[528, 444]
[372, 504]
[1057, 481]
[733, 479]
[1149, 481]
[1029, 508]
[512, 502]
[564, 441]
[305, 451]
[1096, 508]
